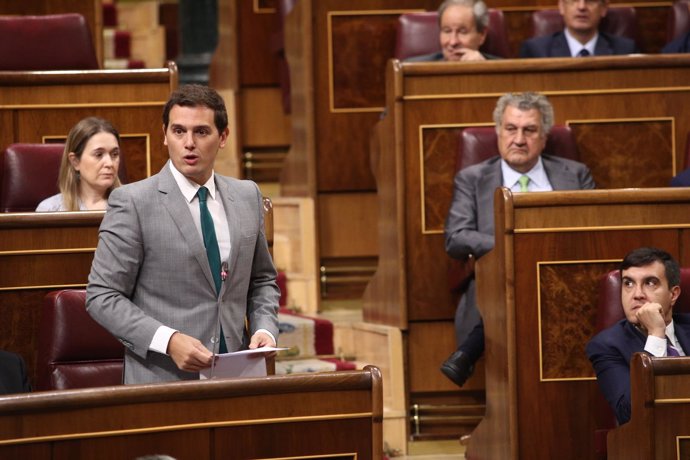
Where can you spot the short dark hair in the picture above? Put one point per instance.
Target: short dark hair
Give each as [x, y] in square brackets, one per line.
[195, 96]
[642, 257]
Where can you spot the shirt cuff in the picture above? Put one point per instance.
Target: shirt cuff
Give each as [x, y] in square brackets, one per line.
[161, 339]
[655, 346]
[269, 334]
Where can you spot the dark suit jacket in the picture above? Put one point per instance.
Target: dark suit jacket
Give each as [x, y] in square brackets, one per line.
[610, 352]
[682, 179]
[556, 45]
[470, 223]
[679, 45]
[13, 377]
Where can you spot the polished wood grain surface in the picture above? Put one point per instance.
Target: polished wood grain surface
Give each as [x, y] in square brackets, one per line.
[226, 418]
[40, 107]
[39, 253]
[537, 297]
[659, 427]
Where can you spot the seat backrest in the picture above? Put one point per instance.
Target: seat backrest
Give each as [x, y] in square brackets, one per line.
[29, 175]
[50, 42]
[678, 20]
[610, 308]
[619, 20]
[418, 34]
[74, 351]
[479, 143]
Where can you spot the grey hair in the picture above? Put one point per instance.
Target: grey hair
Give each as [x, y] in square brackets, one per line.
[525, 101]
[479, 9]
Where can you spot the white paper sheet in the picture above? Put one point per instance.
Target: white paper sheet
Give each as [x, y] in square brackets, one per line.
[245, 363]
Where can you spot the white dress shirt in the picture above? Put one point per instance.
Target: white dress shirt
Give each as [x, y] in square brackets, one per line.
[538, 180]
[575, 46]
[656, 346]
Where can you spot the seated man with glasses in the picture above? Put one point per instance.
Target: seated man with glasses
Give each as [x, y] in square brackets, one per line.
[581, 36]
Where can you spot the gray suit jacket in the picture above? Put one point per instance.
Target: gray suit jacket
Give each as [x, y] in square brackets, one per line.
[151, 269]
[470, 223]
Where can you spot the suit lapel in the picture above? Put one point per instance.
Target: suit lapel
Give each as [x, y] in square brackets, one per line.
[682, 330]
[603, 46]
[177, 207]
[559, 174]
[559, 46]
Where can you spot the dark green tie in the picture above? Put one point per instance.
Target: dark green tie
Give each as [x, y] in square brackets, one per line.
[208, 231]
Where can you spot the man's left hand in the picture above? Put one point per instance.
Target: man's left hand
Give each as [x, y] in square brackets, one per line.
[261, 339]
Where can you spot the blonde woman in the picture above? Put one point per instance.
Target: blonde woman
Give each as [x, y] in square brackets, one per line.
[88, 171]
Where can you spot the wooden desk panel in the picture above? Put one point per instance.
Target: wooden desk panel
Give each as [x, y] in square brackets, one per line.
[537, 294]
[659, 427]
[341, 414]
[41, 107]
[40, 253]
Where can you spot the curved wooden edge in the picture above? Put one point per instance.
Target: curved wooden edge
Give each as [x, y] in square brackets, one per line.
[370, 377]
[54, 77]
[610, 197]
[50, 219]
[632, 61]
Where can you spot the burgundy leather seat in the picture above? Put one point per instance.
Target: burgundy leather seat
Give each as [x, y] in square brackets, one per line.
[74, 351]
[28, 175]
[479, 143]
[678, 20]
[50, 42]
[619, 20]
[417, 34]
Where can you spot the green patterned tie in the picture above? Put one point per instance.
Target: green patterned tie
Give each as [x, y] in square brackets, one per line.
[523, 181]
[208, 231]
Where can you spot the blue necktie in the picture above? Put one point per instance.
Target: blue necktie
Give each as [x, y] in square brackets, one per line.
[583, 53]
[208, 232]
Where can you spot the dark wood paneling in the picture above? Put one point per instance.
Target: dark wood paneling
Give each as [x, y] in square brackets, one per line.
[257, 28]
[40, 253]
[606, 147]
[43, 108]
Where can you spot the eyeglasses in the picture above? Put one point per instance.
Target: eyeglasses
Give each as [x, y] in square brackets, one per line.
[586, 2]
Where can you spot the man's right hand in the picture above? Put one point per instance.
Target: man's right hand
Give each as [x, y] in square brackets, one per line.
[188, 353]
[651, 319]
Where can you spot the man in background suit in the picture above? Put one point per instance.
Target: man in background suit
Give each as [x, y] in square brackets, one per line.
[523, 122]
[463, 25]
[581, 36]
[650, 286]
[152, 284]
[13, 378]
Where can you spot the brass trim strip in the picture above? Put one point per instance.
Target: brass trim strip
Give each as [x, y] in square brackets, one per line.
[539, 321]
[301, 457]
[422, 185]
[186, 426]
[329, 38]
[46, 286]
[82, 104]
[46, 251]
[600, 228]
[664, 401]
[678, 442]
[671, 89]
[256, 9]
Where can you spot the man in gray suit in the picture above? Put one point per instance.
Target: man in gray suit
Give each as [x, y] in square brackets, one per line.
[523, 122]
[152, 284]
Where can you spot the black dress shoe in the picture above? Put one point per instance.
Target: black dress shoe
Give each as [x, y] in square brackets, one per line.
[458, 368]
